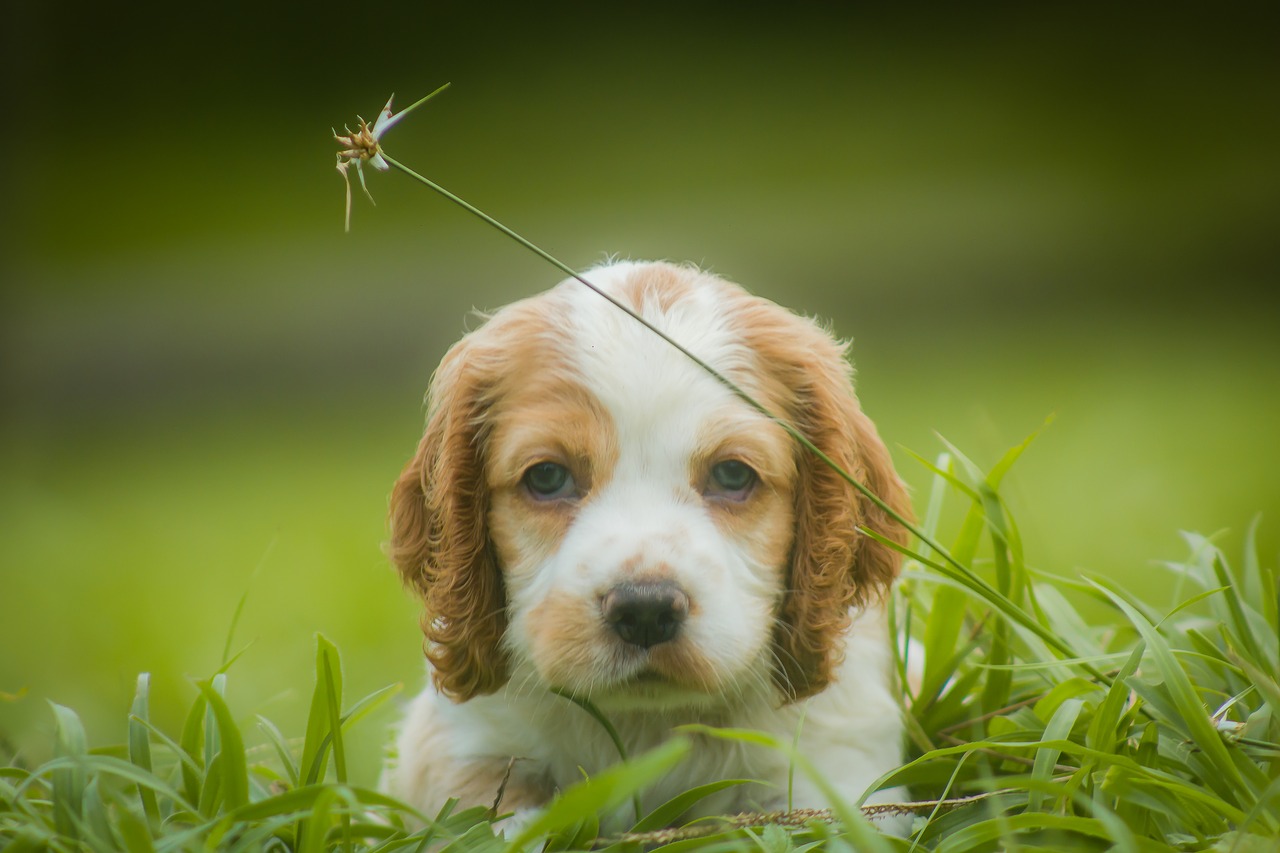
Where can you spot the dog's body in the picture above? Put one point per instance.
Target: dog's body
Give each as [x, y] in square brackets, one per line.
[591, 512]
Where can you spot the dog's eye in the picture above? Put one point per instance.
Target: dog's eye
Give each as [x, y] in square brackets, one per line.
[548, 480]
[732, 478]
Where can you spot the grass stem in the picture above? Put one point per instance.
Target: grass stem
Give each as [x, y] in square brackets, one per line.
[574, 274]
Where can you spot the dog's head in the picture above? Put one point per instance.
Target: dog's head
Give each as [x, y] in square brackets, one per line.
[590, 509]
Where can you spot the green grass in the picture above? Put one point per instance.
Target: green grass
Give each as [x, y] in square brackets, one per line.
[1155, 727]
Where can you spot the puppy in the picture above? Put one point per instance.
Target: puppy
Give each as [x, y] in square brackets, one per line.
[590, 511]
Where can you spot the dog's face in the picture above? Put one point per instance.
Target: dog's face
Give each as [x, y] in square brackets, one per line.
[592, 511]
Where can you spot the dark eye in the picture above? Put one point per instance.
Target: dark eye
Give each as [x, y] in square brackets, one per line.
[548, 480]
[732, 478]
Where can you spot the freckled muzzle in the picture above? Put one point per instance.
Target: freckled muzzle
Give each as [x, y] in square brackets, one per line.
[645, 614]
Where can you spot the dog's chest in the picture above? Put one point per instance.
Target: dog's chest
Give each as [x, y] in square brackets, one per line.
[581, 746]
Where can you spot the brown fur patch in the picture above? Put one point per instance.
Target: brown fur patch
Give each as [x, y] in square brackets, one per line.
[439, 538]
[659, 285]
[802, 375]
[682, 664]
[568, 638]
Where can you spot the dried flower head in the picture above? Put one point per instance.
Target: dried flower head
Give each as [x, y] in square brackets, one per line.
[363, 145]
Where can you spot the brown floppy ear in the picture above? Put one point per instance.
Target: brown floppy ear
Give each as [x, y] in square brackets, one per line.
[834, 566]
[439, 539]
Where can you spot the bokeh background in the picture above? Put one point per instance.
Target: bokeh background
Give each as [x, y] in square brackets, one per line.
[1016, 211]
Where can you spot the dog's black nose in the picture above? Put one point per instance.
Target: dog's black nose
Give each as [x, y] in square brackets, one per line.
[645, 614]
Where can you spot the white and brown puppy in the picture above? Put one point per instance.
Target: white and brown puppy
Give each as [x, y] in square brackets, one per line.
[590, 511]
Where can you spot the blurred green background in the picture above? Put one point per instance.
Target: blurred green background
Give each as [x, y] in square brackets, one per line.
[208, 388]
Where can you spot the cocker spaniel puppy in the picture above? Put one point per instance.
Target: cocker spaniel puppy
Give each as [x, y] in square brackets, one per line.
[592, 512]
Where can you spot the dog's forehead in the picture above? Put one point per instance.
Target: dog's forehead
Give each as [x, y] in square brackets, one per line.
[643, 381]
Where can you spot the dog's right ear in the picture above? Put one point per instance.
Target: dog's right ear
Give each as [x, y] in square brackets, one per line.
[439, 537]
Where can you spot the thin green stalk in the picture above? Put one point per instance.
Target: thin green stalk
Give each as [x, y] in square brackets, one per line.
[725, 381]
[598, 715]
[422, 100]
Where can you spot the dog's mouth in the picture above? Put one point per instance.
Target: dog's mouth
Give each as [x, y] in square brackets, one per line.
[660, 678]
[670, 666]
[647, 678]
[674, 673]
[650, 688]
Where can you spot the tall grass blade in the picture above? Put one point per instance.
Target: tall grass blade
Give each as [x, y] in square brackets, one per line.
[324, 727]
[212, 743]
[333, 696]
[1058, 728]
[321, 723]
[333, 690]
[667, 813]
[1250, 627]
[140, 744]
[69, 779]
[230, 758]
[192, 746]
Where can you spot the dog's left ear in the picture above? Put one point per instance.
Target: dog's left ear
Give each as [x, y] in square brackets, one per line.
[439, 536]
[835, 567]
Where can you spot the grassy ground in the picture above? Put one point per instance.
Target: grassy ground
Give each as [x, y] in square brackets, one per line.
[1154, 728]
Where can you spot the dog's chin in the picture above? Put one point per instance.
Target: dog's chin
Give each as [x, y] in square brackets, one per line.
[651, 690]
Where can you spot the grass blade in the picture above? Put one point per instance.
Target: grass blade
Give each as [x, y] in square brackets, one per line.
[321, 721]
[192, 741]
[1058, 728]
[69, 780]
[230, 757]
[140, 744]
[667, 813]
[333, 698]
